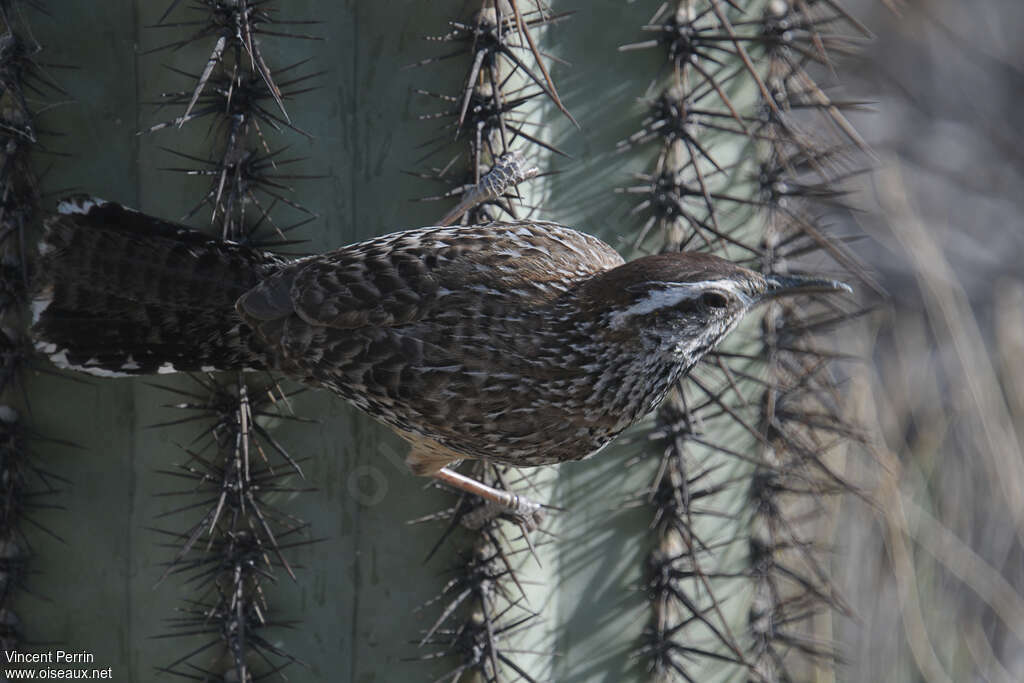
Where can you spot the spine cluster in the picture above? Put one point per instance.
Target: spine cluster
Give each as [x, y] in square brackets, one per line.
[235, 471]
[490, 121]
[26, 485]
[751, 156]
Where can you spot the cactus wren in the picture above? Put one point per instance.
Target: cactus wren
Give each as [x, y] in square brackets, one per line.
[523, 343]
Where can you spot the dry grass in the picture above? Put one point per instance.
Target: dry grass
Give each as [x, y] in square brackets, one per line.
[935, 568]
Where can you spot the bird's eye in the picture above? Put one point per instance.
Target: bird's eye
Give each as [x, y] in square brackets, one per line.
[714, 300]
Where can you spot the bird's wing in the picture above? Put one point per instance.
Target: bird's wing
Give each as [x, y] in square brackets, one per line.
[396, 279]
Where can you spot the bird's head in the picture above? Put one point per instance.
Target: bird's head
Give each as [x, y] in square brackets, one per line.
[682, 304]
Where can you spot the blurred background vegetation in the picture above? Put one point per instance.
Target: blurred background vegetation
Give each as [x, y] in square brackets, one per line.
[935, 565]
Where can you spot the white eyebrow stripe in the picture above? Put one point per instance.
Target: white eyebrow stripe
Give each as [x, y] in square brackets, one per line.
[674, 294]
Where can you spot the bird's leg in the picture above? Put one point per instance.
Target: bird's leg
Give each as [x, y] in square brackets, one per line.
[524, 510]
[430, 459]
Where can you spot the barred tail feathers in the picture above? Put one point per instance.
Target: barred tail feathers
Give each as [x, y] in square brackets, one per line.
[118, 292]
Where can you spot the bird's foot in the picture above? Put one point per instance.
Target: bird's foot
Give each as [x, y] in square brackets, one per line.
[497, 503]
[524, 512]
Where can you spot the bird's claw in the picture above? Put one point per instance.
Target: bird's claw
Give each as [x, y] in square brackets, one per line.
[528, 514]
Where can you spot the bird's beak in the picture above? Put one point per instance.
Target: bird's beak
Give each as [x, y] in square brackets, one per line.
[790, 285]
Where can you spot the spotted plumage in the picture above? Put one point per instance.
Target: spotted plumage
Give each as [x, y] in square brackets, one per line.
[524, 343]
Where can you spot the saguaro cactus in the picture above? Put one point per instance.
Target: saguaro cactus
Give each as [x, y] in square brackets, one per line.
[682, 553]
